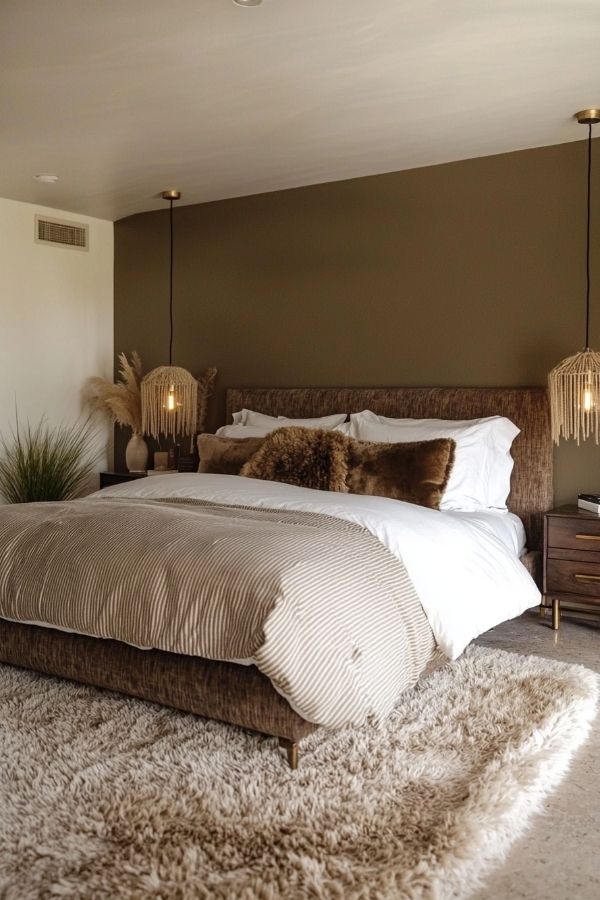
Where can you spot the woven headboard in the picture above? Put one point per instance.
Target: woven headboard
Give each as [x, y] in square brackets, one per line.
[531, 483]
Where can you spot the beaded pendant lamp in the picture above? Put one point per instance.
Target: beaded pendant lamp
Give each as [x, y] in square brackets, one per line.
[169, 393]
[574, 384]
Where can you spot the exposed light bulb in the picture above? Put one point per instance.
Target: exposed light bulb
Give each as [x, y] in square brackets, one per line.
[171, 402]
[588, 400]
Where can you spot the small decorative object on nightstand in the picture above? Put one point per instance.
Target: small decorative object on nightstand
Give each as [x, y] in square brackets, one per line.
[161, 460]
[187, 463]
[107, 479]
[571, 559]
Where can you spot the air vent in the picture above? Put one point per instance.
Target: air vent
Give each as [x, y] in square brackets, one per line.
[61, 233]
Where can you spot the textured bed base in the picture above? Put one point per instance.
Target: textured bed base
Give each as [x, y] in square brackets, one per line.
[533, 563]
[240, 695]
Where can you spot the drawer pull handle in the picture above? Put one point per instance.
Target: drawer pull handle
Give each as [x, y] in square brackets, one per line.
[588, 537]
[587, 577]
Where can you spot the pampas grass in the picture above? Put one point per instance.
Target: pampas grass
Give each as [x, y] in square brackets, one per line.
[121, 399]
[46, 463]
[206, 383]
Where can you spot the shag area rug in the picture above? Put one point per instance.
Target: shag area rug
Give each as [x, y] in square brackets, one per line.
[107, 797]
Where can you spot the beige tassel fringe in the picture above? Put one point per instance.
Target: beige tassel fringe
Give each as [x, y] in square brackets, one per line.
[157, 418]
[574, 386]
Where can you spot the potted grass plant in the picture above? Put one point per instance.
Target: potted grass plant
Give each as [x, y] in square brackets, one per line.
[46, 462]
[121, 400]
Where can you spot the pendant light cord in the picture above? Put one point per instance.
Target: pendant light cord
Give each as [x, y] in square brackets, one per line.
[587, 250]
[171, 283]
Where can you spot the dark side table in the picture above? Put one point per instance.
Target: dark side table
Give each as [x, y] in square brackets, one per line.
[571, 559]
[107, 479]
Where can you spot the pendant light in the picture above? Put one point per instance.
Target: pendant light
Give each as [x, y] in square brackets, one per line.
[574, 383]
[169, 393]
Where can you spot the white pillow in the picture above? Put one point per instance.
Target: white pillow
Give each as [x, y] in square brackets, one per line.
[256, 419]
[242, 431]
[344, 428]
[269, 423]
[480, 478]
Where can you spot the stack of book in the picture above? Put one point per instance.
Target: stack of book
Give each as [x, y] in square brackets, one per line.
[590, 502]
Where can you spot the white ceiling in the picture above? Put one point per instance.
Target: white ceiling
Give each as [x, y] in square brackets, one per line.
[123, 98]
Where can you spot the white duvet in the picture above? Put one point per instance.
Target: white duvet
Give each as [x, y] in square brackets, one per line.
[465, 566]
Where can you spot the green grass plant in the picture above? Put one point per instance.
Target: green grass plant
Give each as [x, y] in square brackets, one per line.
[46, 462]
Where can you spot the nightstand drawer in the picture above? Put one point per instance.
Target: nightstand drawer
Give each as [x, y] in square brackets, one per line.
[574, 534]
[573, 577]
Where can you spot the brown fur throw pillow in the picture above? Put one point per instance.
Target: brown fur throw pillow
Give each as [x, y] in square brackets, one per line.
[223, 455]
[416, 472]
[307, 457]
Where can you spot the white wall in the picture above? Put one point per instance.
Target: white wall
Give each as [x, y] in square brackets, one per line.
[56, 319]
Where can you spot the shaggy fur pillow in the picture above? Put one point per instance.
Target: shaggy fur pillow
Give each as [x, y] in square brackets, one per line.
[225, 456]
[311, 458]
[415, 472]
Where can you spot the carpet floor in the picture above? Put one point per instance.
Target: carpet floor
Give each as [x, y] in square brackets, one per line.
[103, 796]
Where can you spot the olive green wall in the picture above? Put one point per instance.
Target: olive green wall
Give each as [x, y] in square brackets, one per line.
[470, 273]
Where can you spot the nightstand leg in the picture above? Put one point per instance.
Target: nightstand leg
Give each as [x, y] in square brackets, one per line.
[555, 613]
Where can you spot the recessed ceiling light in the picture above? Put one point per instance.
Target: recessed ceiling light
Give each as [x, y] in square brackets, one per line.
[247, 2]
[47, 179]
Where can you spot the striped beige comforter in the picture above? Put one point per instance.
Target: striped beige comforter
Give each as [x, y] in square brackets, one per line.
[317, 603]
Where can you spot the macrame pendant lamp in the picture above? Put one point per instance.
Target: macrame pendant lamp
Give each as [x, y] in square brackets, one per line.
[169, 393]
[574, 384]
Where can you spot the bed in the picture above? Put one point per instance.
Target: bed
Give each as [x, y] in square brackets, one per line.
[238, 692]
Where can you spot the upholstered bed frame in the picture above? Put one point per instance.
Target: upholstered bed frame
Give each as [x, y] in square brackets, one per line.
[241, 695]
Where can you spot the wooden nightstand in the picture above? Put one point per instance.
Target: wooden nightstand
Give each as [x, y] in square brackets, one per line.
[107, 479]
[571, 558]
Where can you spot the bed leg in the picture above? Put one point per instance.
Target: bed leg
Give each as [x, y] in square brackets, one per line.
[291, 751]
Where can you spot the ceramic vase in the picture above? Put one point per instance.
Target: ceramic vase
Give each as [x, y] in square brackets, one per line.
[136, 454]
